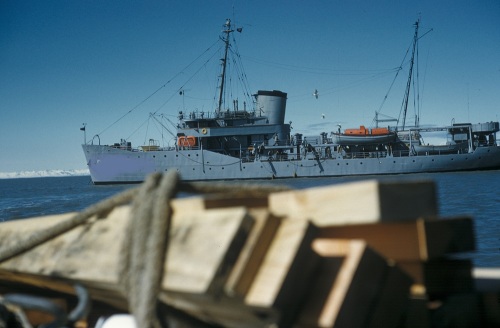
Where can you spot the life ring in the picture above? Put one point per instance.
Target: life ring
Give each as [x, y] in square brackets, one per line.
[204, 131]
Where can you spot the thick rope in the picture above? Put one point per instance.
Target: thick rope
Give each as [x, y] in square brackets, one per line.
[142, 260]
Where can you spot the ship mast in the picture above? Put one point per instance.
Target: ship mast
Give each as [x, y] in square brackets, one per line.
[225, 38]
[408, 83]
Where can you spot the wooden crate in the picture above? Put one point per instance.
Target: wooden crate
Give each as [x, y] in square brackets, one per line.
[358, 202]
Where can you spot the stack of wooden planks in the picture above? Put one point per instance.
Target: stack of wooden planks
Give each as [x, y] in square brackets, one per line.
[361, 254]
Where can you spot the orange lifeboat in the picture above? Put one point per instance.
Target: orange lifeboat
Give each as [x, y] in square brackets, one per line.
[364, 136]
[380, 131]
[361, 131]
[186, 141]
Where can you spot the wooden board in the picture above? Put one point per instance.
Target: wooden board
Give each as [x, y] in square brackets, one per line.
[286, 271]
[203, 248]
[75, 255]
[421, 239]
[201, 203]
[253, 253]
[441, 276]
[417, 314]
[260, 237]
[457, 310]
[265, 284]
[393, 300]
[358, 202]
[352, 288]
[222, 310]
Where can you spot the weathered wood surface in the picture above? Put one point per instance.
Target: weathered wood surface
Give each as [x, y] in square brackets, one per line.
[358, 202]
[420, 239]
[203, 247]
[222, 310]
[88, 252]
[252, 255]
[260, 237]
[287, 269]
[223, 265]
[354, 287]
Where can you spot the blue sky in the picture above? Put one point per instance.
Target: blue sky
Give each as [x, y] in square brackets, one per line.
[64, 63]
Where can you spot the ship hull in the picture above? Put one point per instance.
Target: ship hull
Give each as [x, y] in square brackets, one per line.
[108, 165]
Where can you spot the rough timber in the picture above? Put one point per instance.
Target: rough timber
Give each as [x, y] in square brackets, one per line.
[234, 143]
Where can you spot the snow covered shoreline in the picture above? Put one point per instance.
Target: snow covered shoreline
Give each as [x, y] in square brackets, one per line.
[43, 173]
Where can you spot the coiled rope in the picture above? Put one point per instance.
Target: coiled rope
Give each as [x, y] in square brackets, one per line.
[142, 259]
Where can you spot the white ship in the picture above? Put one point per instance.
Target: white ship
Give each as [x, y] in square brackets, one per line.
[234, 143]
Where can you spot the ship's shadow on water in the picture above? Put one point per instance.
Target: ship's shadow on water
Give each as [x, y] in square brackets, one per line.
[473, 194]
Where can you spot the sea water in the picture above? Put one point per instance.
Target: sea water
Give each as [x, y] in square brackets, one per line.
[474, 194]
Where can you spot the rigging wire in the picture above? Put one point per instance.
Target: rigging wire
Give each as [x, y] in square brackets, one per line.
[147, 129]
[242, 73]
[185, 83]
[416, 90]
[157, 90]
[315, 70]
[400, 68]
[415, 82]
[348, 85]
[160, 127]
[138, 128]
